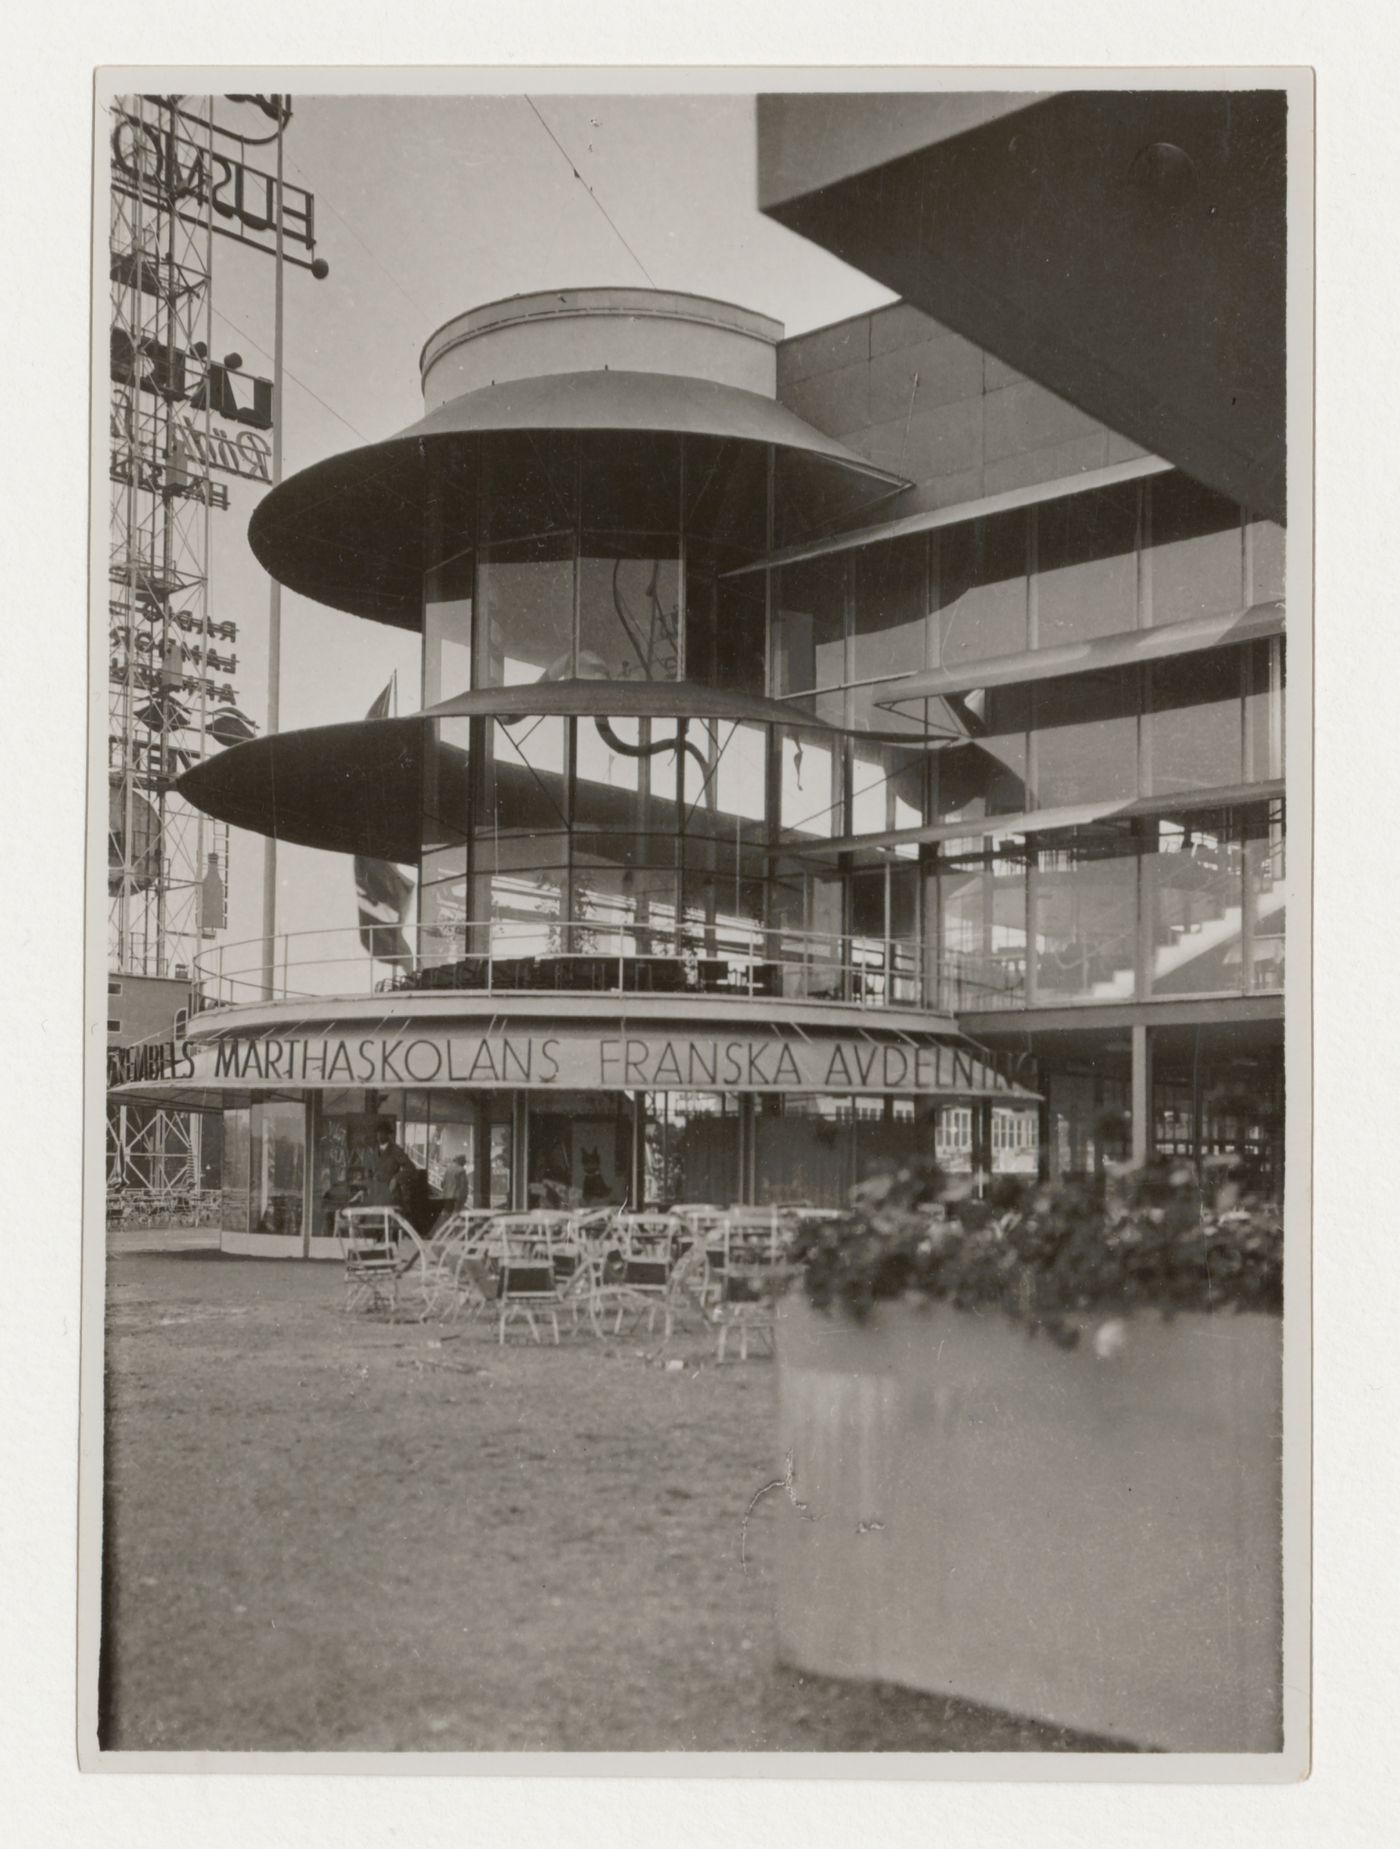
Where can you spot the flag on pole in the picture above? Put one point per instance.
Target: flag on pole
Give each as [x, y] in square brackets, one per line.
[382, 889]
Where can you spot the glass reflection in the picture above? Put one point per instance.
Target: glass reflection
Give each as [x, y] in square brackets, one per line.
[278, 1167]
[1197, 551]
[1084, 917]
[982, 581]
[629, 610]
[447, 628]
[809, 785]
[1193, 891]
[1087, 574]
[981, 898]
[1195, 728]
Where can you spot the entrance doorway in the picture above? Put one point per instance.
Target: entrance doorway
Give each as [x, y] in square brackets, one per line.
[580, 1151]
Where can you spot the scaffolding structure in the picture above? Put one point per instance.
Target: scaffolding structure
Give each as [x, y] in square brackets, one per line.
[170, 666]
[179, 178]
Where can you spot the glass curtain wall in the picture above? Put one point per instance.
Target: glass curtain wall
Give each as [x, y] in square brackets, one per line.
[598, 556]
[1180, 905]
[620, 835]
[278, 1139]
[812, 1148]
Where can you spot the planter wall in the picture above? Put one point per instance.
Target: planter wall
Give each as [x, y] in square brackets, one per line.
[1093, 1542]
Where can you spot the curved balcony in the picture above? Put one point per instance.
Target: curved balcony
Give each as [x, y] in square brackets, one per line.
[586, 957]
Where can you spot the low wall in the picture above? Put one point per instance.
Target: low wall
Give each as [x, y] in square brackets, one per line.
[1095, 1542]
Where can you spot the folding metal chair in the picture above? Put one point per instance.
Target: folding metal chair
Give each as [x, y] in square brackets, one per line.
[380, 1249]
[639, 1274]
[521, 1246]
[752, 1273]
[451, 1239]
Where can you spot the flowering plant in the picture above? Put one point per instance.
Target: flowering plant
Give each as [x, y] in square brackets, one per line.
[1143, 1238]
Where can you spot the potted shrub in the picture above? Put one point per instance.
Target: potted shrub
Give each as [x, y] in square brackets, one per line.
[1035, 1452]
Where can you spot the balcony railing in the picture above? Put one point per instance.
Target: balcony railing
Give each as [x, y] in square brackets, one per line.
[572, 957]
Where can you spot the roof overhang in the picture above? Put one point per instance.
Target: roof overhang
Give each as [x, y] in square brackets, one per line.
[1047, 821]
[1130, 648]
[349, 531]
[1126, 249]
[358, 787]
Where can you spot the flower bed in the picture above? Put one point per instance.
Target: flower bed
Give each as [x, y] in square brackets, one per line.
[1036, 1445]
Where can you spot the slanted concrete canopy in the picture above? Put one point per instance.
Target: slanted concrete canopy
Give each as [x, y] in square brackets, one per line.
[1126, 250]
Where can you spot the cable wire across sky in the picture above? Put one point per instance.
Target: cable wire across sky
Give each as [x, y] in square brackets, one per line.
[591, 194]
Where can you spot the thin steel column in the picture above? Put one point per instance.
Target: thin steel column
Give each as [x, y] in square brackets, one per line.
[1142, 1092]
[274, 607]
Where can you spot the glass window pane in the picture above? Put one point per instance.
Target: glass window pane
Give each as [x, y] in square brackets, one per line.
[526, 611]
[1086, 738]
[891, 609]
[622, 909]
[451, 1151]
[522, 786]
[238, 1156]
[1086, 577]
[447, 628]
[526, 910]
[868, 903]
[1197, 557]
[442, 921]
[866, 716]
[810, 771]
[692, 1148]
[498, 1189]
[886, 788]
[1265, 709]
[629, 609]
[608, 756]
[726, 494]
[809, 626]
[530, 485]
[279, 1163]
[982, 589]
[1084, 908]
[446, 786]
[1267, 561]
[1192, 887]
[445, 864]
[988, 775]
[723, 894]
[725, 775]
[630, 480]
[981, 897]
[1266, 913]
[1195, 729]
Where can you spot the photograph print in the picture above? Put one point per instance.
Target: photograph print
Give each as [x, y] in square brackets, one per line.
[690, 711]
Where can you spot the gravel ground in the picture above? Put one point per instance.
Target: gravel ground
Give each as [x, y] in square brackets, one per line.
[337, 1533]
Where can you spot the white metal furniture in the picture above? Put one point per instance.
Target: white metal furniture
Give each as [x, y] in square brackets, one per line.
[380, 1249]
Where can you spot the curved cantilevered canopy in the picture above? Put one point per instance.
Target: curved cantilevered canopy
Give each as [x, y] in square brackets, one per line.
[349, 531]
[358, 788]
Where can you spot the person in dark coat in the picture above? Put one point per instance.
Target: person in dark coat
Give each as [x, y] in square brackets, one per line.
[390, 1173]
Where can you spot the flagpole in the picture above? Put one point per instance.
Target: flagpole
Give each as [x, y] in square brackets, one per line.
[274, 608]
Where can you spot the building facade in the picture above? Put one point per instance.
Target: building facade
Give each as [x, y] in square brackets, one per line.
[829, 749]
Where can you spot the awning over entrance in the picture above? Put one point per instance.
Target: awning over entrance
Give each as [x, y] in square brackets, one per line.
[606, 1053]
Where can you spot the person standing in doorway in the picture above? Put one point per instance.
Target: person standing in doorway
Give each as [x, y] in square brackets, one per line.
[456, 1190]
[390, 1173]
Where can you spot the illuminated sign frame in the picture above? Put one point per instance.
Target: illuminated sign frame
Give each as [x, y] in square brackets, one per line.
[146, 155]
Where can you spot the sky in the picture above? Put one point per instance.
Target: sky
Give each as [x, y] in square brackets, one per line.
[427, 206]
